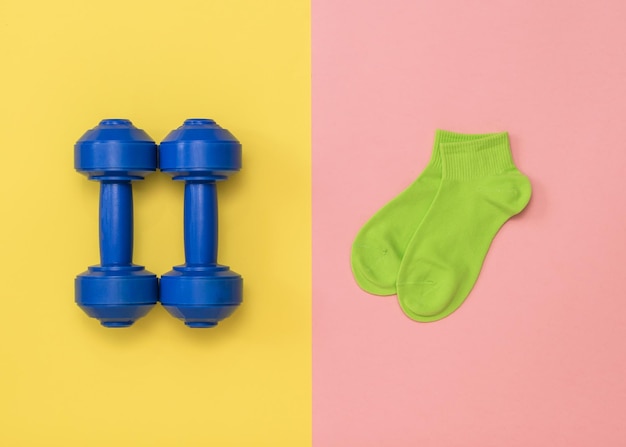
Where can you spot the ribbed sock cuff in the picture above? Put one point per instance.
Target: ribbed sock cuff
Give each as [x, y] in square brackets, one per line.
[481, 157]
[445, 136]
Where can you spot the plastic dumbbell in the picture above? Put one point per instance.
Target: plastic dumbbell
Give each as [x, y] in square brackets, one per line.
[200, 292]
[116, 291]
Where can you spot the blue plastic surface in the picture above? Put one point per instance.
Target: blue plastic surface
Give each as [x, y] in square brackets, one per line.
[116, 291]
[200, 292]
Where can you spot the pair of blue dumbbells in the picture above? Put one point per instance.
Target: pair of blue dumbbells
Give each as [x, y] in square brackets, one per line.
[118, 292]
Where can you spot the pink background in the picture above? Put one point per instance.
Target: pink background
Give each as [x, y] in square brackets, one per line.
[536, 355]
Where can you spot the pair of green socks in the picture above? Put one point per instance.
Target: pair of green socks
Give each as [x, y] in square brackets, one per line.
[428, 244]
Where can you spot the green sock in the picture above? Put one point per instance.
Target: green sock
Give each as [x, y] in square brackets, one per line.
[480, 190]
[379, 246]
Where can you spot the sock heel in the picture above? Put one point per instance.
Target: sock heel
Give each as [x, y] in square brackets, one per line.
[422, 296]
[510, 192]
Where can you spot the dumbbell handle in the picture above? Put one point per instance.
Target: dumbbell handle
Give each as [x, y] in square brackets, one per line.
[200, 223]
[116, 223]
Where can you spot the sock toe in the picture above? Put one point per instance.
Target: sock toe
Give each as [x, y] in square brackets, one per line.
[374, 270]
[424, 298]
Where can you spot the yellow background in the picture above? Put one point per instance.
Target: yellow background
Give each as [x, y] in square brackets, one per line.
[64, 379]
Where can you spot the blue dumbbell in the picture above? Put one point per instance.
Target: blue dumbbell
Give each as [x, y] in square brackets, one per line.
[200, 292]
[116, 291]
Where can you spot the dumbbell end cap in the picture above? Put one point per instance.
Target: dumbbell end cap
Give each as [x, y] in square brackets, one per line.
[200, 147]
[116, 298]
[115, 148]
[201, 299]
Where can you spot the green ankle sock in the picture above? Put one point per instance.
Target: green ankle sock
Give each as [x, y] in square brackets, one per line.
[480, 190]
[379, 246]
